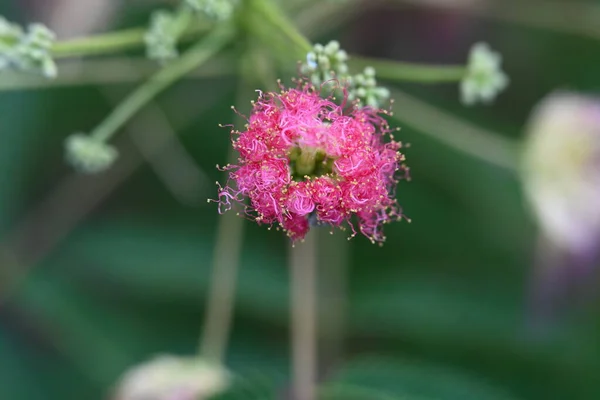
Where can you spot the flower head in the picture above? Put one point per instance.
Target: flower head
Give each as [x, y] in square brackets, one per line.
[484, 78]
[88, 154]
[169, 377]
[307, 160]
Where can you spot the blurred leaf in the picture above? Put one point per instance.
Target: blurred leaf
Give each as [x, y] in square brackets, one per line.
[250, 387]
[420, 380]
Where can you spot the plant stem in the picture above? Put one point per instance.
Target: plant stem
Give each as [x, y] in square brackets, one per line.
[100, 44]
[201, 52]
[412, 72]
[107, 71]
[276, 17]
[221, 293]
[457, 133]
[392, 70]
[333, 292]
[112, 42]
[228, 248]
[303, 260]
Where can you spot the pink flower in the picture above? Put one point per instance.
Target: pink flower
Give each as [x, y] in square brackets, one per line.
[303, 158]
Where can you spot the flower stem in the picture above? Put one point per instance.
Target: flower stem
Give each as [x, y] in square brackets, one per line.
[198, 54]
[333, 292]
[276, 17]
[112, 42]
[391, 70]
[107, 71]
[219, 308]
[411, 72]
[100, 44]
[303, 260]
[456, 133]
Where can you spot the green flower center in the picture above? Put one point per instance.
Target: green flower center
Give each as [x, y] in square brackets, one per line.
[309, 162]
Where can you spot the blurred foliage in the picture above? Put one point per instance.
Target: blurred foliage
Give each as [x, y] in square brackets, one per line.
[442, 304]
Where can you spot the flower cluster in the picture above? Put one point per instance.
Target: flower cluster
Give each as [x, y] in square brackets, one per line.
[88, 154]
[325, 63]
[326, 66]
[305, 160]
[215, 9]
[484, 78]
[365, 89]
[161, 38]
[27, 50]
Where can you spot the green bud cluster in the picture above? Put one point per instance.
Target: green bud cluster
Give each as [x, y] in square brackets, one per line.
[219, 10]
[364, 89]
[27, 50]
[88, 154]
[162, 36]
[325, 63]
[326, 67]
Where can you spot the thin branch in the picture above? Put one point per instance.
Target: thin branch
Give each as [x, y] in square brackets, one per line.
[571, 17]
[303, 269]
[457, 133]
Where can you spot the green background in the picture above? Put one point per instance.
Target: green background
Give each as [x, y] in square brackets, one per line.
[439, 312]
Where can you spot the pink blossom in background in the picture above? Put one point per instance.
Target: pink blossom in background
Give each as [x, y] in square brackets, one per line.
[305, 160]
[561, 177]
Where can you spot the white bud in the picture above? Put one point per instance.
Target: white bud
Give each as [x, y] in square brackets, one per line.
[169, 377]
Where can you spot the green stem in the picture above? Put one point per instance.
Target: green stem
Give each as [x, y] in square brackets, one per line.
[100, 44]
[410, 72]
[454, 132]
[113, 42]
[198, 54]
[221, 293]
[391, 70]
[276, 17]
[107, 71]
[226, 259]
[334, 252]
[303, 269]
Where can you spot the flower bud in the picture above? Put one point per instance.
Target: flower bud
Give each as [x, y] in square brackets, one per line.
[168, 377]
[484, 78]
